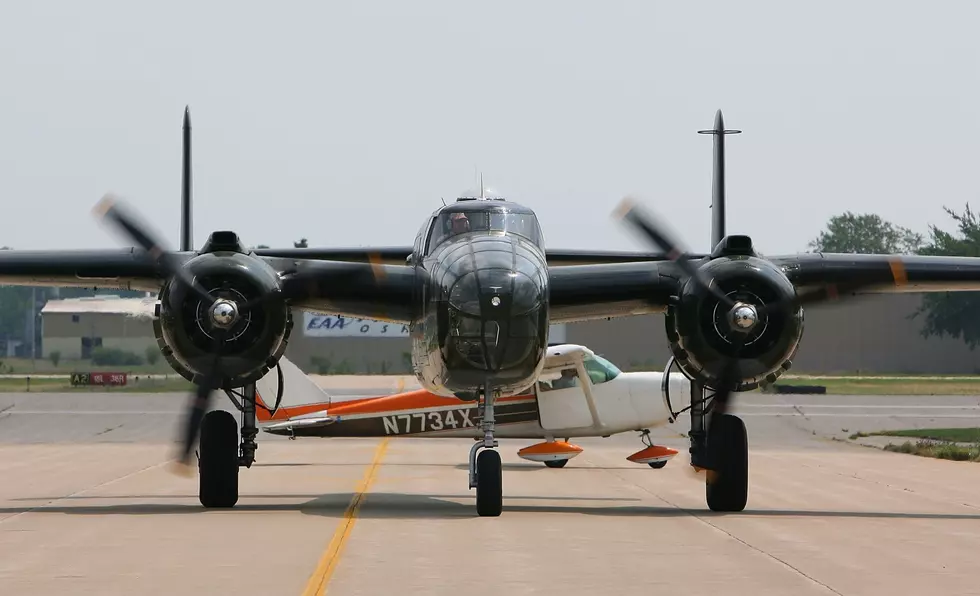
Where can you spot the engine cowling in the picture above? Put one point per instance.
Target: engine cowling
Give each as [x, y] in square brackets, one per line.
[256, 342]
[700, 336]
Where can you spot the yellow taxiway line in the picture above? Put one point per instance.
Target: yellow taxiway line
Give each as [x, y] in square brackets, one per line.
[317, 583]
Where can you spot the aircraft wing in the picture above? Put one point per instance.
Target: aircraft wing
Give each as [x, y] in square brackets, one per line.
[577, 292]
[589, 292]
[592, 292]
[398, 255]
[367, 290]
[877, 274]
[123, 269]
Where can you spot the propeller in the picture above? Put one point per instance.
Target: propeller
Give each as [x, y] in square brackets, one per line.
[632, 213]
[223, 313]
[740, 312]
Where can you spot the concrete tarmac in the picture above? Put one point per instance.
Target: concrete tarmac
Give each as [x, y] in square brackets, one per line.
[88, 506]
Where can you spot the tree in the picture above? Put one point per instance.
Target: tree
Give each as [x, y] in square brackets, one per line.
[152, 355]
[300, 244]
[866, 234]
[953, 314]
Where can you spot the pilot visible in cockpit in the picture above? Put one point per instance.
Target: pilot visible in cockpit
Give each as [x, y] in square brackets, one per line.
[458, 224]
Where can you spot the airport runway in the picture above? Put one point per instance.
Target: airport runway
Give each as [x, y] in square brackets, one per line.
[87, 506]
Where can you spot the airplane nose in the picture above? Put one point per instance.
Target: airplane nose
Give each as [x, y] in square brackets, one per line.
[498, 320]
[496, 294]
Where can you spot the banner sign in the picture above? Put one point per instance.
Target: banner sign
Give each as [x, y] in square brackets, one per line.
[317, 324]
[98, 378]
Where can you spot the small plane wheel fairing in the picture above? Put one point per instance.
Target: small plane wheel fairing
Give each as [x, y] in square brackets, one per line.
[657, 464]
[219, 460]
[727, 484]
[557, 463]
[489, 484]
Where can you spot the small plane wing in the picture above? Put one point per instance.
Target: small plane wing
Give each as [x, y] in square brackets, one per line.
[562, 356]
[312, 420]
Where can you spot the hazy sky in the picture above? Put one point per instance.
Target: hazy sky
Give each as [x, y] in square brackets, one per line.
[346, 122]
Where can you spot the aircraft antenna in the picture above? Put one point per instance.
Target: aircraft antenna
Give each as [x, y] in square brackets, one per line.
[186, 233]
[718, 178]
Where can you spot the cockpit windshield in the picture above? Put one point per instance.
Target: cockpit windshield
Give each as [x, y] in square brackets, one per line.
[450, 224]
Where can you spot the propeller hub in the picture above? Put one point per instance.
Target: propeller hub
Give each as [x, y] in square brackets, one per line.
[744, 316]
[223, 313]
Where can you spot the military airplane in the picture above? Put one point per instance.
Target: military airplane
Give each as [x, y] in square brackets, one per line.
[478, 290]
[578, 394]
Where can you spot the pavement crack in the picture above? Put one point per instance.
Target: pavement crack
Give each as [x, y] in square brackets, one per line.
[110, 429]
[85, 490]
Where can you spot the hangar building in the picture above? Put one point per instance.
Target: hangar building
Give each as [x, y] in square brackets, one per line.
[75, 326]
[871, 336]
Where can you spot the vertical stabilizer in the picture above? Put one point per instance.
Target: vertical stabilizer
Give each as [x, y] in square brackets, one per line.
[186, 232]
[718, 178]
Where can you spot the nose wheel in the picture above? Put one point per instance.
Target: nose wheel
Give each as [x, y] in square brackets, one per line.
[486, 470]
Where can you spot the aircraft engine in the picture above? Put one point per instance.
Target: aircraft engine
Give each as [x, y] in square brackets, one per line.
[185, 324]
[705, 335]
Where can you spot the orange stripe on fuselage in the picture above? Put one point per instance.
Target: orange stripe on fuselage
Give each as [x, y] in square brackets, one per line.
[419, 399]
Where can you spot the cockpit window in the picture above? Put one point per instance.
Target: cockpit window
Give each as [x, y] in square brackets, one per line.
[448, 225]
[600, 370]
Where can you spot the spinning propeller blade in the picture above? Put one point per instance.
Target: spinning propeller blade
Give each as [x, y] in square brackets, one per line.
[730, 376]
[633, 214]
[224, 313]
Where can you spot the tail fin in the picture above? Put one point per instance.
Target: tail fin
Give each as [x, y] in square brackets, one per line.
[718, 179]
[186, 233]
[300, 394]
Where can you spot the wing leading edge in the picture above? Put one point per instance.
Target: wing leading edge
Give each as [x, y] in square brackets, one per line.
[590, 292]
[577, 292]
[881, 274]
[398, 255]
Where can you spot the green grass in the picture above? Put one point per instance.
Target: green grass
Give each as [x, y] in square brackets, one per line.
[938, 450]
[953, 435]
[64, 385]
[958, 444]
[24, 366]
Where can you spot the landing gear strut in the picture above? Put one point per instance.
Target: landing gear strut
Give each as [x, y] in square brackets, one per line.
[723, 450]
[220, 453]
[719, 445]
[485, 466]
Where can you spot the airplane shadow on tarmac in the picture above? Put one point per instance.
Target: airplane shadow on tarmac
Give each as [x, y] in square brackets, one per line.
[422, 506]
[508, 467]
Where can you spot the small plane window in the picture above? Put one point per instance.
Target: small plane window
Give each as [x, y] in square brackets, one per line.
[600, 370]
[568, 378]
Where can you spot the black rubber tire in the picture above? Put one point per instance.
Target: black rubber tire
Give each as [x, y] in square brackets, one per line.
[656, 465]
[556, 463]
[219, 460]
[489, 484]
[727, 487]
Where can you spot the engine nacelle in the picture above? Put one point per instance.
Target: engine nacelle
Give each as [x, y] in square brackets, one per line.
[255, 342]
[700, 336]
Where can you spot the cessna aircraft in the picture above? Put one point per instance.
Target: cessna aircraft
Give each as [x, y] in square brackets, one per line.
[478, 289]
[578, 394]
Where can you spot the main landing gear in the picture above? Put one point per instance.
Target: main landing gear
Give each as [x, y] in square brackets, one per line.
[220, 455]
[486, 473]
[719, 445]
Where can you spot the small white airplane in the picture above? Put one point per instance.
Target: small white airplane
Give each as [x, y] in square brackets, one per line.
[578, 394]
